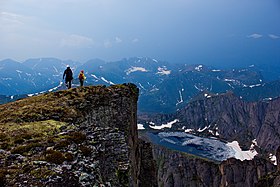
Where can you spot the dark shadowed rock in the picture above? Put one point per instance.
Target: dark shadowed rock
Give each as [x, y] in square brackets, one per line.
[181, 169]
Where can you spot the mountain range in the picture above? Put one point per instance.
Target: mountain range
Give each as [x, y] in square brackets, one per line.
[164, 87]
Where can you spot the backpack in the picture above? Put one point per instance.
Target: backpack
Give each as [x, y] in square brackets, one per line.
[81, 76]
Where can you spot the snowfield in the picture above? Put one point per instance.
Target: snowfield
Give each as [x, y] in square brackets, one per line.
[210, 148]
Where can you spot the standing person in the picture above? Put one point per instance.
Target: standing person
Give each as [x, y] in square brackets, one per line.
[82, 77]
[68, 74]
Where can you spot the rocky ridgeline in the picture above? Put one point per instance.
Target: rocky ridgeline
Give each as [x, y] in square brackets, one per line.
[79, 137]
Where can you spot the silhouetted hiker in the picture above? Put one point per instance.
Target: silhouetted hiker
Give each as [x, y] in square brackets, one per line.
[82, 77]
[68, 74]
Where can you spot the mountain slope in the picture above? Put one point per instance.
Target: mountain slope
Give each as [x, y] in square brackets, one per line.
[229, 118]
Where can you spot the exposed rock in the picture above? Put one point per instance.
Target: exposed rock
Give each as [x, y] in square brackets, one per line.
[79, 137]
[148, 165]
[272, 178]
[181, 169]
[231, 118]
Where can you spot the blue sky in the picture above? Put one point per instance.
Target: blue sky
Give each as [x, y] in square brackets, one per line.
[178, 31]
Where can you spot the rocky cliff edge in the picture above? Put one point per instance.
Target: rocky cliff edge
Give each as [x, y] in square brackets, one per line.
[79, 137]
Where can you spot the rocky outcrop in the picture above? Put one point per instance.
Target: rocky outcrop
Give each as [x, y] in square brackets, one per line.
[272, 179]
[79, 137]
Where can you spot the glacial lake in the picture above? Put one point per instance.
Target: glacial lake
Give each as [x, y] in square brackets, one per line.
[209, 148]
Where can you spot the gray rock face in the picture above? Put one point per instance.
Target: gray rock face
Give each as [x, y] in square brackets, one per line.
[235, 119]
[182, 170]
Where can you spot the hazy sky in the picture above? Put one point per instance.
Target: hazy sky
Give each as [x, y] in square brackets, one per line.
[179, 31]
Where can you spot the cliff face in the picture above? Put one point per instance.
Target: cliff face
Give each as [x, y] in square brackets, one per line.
[181, 170]
[235, 119]
[78, 137]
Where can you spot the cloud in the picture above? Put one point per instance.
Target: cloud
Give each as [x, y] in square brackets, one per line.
[11, 21]
[76, 41]
[255, 36]
[135, 40]
[107, 44]
[272, 36]
[118, 40]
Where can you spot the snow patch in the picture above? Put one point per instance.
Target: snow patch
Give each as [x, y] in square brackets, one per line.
[140, 126]
[242, 155]
[163, 71]
[198, 88]
[252, 86]
[55, 88]
[189, 130]
[273, 159]
[198, 68]
[55, 69]
[181, 98]
[154, 90]
[94, 76]
[207, 95]
[133, 69]
[141, 86]
[168, 125]
[230, 80]
[109, 82]
[6, 79]
[201, 130]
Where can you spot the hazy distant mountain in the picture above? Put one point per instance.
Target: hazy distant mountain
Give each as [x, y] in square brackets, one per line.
[33, 75]
[52, 68]
[270, 72]
[16, 78]
[164, 87]
[7, 99]
[144, 72]
[189, 80]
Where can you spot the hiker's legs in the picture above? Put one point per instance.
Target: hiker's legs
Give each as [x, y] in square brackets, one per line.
[69, 84]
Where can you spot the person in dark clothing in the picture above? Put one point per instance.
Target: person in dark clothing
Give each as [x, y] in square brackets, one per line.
[68, 74]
